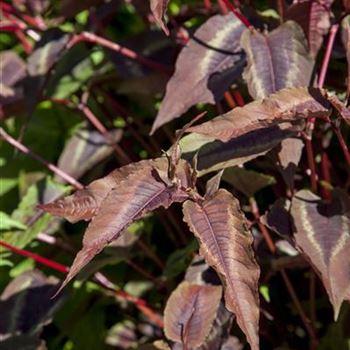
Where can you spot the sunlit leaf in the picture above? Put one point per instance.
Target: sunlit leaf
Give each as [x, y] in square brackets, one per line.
[277, 60]
[287, 105]
[225, 243]
[322, 233]
[117, 200]
[205, 68]
[189, 313]
[314, 18]
[158, 8]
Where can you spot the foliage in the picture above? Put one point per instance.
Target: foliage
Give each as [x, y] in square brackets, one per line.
[251, 102]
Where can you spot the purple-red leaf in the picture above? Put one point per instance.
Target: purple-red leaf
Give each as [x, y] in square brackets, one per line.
[287, 105]
[190, 312]
[214, 155]
[226, 245]
[314, 18]
[158, 8]
[322, 233]
[205, 68]
[117, 200]
[277, 60]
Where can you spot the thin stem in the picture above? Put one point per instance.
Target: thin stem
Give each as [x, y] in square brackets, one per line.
[139, 303]
[93, 38]
[229, 99]
[272, 247]
[41, 260]
[343, 144]
[242, 18]
[24, 149]
[123, 157]
[300, 309]
[311, 161]
[148, 251]
[332, 33]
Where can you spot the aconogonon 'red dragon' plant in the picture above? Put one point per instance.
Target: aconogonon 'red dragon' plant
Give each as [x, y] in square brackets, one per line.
[215, 218]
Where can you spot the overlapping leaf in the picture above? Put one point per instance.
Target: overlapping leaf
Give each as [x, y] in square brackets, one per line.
[277, 60]
[225, 243]
[159, 8]
[190, 312]
[215, 155]
[287, 105]
[206, 66]
[322, 233]
[117, 200]
[314, 18]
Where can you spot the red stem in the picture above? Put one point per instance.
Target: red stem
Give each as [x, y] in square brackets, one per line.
[332, 33]
[343, 144]
[5, 136]
[242, 18]
[139, 303]
[41, 260]
[93, 38]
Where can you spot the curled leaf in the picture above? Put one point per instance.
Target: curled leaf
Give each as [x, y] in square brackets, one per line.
[322, 233]
[190, 312]
[276, 61]
[287, 105]
[226, 245]
[205, 68]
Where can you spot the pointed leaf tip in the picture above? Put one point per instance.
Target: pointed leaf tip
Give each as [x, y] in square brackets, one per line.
[226, 245]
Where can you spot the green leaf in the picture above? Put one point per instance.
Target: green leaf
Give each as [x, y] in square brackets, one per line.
[6, 222]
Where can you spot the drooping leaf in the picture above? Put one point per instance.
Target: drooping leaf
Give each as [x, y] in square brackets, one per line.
[246, 181]
[314, 18]
[205, 68]
[158, 8]
[322, 233]
[85, 150]
[26, 304]
[117, 200]
[225, 243]
[215, 155]
[276, 61]
[190, 312]
[287, 105]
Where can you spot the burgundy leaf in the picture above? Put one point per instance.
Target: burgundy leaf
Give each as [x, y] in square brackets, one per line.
[314, 18]
[213, 184]
[158, 8]
[215, 155]
[226, 245]
[190, 312]
[205, 68]
[322, 233]
[277, 60]
[346, 42]
[287, 105]
[117, 200]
